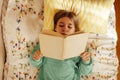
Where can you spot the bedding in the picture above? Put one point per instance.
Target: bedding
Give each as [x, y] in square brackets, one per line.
[22, 24]
[24, 20]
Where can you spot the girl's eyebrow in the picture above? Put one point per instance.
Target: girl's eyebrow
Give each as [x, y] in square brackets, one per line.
[63, 23]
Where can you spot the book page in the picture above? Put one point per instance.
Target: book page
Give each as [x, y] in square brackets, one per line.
[74, 45]
[51, 46]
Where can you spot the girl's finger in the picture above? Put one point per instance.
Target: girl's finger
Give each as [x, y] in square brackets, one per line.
[86, 60]
[84, 54]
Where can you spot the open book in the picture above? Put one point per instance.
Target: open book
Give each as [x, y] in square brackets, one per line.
[54, 45]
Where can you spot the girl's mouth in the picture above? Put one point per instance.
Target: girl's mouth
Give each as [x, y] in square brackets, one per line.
[63, 33]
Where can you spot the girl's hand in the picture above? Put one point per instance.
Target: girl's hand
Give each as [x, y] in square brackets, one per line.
[37, 55]
[85, 56]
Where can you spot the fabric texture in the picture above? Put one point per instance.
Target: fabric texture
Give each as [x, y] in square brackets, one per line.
[68, 69]
[22, 25]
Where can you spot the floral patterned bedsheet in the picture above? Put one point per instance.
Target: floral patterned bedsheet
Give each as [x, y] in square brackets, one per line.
[22, 25]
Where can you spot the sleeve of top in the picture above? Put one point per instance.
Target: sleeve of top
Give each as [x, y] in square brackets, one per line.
[85, 68]
[36, 63]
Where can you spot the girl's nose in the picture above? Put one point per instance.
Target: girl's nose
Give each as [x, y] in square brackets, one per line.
[65, 28]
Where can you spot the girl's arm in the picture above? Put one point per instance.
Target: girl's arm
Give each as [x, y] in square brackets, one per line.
[39, 60]
[85, 68]
[85, 64]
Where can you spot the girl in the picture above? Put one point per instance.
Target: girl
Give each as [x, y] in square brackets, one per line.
[65, 23]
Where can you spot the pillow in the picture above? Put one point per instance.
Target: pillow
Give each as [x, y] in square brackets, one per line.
[93, 14]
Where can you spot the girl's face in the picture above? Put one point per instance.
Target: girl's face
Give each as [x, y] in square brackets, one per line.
[65, 26]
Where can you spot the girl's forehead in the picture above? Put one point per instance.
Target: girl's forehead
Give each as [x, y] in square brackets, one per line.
[65, 19]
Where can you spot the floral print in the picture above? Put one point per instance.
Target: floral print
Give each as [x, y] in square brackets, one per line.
[26, 19]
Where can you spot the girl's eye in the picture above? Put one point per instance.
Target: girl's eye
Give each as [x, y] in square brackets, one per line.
[69, 26]
[61, 25]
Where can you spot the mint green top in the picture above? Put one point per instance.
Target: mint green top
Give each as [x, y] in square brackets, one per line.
[68, 69]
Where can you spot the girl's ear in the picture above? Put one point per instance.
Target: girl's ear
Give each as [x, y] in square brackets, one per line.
[55, 29]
